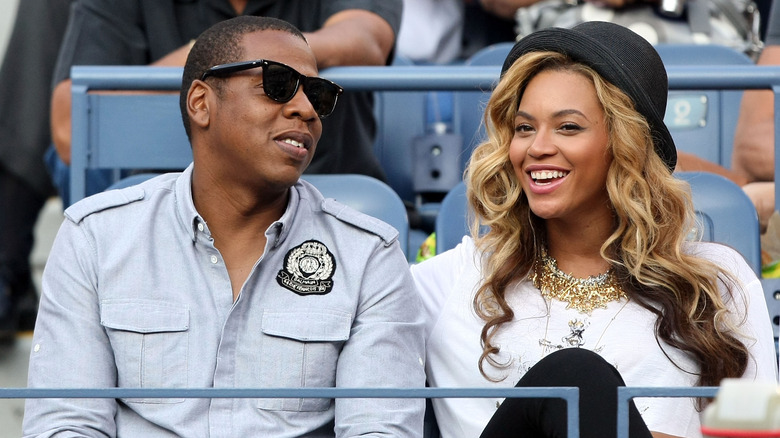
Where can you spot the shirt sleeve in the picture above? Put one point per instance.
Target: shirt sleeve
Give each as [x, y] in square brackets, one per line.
[70, 347]
[385, 349]
[389, 10]
[104, 32]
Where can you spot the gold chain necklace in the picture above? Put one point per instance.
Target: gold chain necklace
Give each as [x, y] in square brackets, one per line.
[583, 294]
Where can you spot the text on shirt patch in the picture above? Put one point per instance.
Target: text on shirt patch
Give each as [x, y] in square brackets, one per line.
[308, 269]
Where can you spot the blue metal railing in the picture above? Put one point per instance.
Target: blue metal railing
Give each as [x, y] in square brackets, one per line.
[569, 395]
[627, 393]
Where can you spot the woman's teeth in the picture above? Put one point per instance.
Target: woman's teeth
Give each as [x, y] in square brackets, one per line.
[544, 176]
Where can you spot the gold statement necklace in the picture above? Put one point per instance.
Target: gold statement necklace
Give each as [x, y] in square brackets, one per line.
[582, 294]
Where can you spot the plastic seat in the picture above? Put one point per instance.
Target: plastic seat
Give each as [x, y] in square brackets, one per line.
[702, 122]
[367, 195]
[452, 220]
[400, 117]
[470, 105]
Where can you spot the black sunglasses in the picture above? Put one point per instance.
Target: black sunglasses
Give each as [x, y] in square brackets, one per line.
[281, 82]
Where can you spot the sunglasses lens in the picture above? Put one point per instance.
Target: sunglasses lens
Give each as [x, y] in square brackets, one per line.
[322, 94]
[280, 82]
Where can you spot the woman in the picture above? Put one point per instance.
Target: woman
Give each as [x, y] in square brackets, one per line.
[586, 253]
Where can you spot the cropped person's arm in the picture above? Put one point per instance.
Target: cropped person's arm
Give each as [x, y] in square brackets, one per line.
[385, 349]
[70, 347]
[349, 37]
[352, 37]
[754, 139]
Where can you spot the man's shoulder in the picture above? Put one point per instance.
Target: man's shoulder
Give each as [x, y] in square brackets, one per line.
[103, 201]
[360, 220]
[114, 199]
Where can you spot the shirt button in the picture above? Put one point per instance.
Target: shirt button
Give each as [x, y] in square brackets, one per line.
[200, 226]
[214, 259]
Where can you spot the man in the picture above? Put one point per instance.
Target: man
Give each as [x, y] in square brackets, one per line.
[233, 273]
[159, 32]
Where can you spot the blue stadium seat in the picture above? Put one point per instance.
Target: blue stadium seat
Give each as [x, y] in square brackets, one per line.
[367, 195]
[470, 105]
[452, 223]
[725, 215]
[702, 122]
[400, 116]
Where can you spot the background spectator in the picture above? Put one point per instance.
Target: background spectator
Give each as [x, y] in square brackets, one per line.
[25, 91]
[135, 32]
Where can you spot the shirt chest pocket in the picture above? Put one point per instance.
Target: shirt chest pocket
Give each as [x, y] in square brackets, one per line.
[301, 349]
[150, 342]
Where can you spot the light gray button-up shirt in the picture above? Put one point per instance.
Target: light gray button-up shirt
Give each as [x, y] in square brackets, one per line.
[136, 295]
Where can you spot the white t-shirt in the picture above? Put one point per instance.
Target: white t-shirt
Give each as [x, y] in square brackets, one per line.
[623, 334]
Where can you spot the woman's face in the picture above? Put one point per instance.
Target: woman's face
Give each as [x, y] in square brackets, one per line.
[559, 148]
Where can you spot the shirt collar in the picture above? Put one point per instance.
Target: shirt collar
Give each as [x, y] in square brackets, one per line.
[190, 218]
[279, 230]
[185, 207]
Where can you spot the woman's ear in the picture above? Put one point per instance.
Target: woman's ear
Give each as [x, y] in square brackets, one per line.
[198, 104]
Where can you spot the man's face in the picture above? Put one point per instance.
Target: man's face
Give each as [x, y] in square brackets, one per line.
[251, 139]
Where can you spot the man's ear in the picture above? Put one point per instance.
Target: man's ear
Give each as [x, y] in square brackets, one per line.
[198, 103]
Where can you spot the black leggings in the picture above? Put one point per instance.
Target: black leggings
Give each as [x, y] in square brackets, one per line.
[546, 417]
[19, 208]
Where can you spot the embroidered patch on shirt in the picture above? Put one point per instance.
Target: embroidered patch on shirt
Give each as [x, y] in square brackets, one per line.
[308, 269]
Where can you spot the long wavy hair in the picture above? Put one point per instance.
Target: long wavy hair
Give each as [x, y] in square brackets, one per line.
[653, 215]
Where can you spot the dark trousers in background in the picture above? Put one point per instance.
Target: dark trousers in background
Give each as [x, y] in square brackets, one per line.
[546, 417]
[19, 208]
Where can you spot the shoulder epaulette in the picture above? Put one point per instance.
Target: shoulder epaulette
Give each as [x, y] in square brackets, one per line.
[363, 221]
[103, 201]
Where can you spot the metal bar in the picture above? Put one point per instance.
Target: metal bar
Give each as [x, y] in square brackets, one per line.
[569, 394]
[626, 393]
[565, 393]
[79, 132]
[416, 78]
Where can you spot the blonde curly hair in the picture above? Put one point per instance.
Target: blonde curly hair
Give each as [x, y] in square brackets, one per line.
[653, 215]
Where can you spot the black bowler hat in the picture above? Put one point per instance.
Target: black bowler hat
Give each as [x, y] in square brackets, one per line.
[623, 58]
